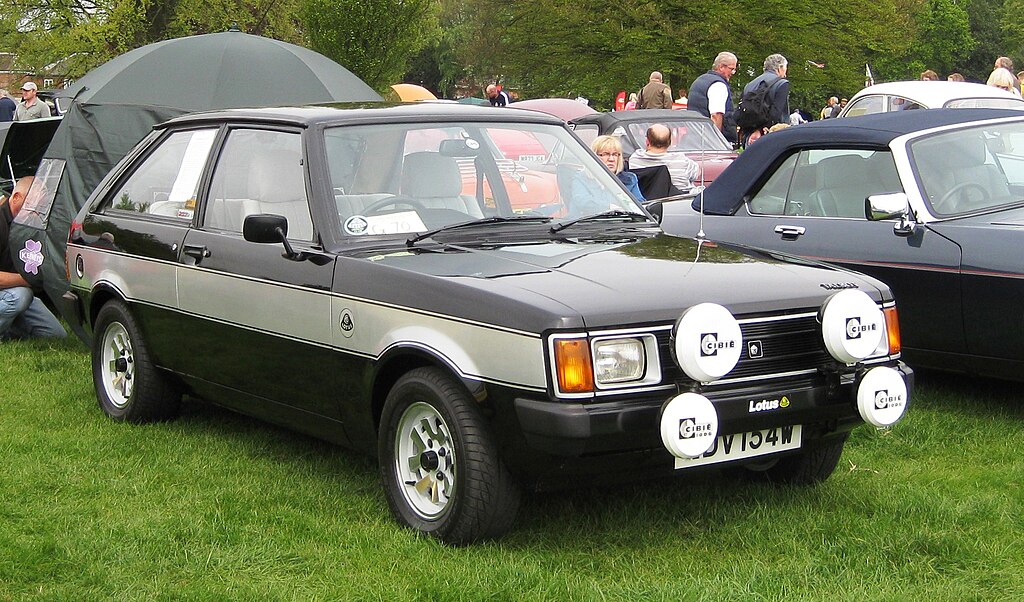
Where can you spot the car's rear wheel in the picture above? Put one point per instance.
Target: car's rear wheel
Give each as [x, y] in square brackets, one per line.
[128, 386]
[439, 464]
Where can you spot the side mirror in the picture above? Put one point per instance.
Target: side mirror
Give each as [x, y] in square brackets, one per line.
[265, 228]
[879, 207]
[896, 205]
[269, 228]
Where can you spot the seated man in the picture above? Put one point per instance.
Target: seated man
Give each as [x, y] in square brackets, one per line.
[22, 315]
[684, 170]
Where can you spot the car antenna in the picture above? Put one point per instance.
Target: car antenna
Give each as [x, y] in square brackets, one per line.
[700, 193]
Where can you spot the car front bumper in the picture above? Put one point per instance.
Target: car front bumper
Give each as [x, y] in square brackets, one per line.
[824, 405]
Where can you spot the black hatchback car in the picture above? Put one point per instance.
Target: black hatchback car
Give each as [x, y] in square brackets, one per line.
[361, 274]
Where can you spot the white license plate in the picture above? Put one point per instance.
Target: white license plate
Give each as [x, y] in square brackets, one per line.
[747, 445]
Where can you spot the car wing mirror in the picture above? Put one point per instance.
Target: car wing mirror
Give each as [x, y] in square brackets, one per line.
[268, 228]
[896, 205]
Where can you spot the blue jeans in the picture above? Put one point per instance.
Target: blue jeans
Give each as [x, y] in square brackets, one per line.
[23, 316]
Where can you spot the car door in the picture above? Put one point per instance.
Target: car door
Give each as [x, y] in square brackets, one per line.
[261, 319]
[141, 224]
[812, 206]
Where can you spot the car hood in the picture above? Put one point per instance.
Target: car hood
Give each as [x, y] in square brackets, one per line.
[595, 284]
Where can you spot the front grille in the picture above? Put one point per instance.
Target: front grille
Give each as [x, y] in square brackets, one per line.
[788, 344]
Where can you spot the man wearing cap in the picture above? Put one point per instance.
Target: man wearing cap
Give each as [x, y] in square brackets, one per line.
[30, 107]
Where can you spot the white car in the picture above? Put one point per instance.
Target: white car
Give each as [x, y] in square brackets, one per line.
[904, 96]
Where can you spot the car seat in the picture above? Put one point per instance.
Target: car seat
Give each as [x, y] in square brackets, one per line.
[843, 184]
[434, 181]
[277, 181]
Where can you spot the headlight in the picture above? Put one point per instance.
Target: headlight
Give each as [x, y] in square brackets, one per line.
[619, 360]
[605, 362]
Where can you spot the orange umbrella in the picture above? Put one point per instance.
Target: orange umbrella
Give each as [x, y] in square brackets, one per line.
[412, 92]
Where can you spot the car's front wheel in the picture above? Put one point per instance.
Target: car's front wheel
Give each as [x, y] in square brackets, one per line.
[128, 386]
[439, 464]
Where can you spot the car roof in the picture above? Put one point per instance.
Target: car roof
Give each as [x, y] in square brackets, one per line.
[935, 94]
[725, 195]
[338, 113]
[610, 120]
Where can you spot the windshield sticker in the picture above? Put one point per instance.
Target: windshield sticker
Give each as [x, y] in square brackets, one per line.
[32, 256]
[402, 222]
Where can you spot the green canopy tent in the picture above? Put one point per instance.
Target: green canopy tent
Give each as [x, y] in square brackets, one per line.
[116, 105]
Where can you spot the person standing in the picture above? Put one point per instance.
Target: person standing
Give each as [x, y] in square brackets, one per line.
[30, 106]
[1005, 62]
[929, 76]
[7, 106]
[655, 95]
[829, 109]
[497, 98]
[796, 118]
[22, 314]
[777, 98]
[711, 97]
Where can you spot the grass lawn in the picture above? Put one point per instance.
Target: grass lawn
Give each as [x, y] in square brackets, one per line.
[215, 506]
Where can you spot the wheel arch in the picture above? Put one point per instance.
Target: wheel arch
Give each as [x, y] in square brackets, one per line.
[102, 293]
[400, 359]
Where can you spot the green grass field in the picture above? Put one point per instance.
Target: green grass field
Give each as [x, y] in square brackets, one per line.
[215, 506]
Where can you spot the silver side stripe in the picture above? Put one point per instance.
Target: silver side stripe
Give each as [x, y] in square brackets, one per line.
[474, 350]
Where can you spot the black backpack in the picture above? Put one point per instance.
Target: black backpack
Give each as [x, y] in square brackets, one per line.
[755, 111]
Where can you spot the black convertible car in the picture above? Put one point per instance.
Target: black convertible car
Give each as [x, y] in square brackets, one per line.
[931, 202]
[363, 275]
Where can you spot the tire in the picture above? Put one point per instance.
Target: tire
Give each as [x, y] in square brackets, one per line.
[128, 386]
[439, 465]
[812, 465]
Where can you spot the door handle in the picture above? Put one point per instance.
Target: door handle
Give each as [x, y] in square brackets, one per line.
[197, 251]
[789, 231]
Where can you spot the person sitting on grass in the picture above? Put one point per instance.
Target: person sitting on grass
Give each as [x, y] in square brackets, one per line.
[22, 314]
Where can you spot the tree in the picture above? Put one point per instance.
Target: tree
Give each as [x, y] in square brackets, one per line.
[375, 39]
[83, 34]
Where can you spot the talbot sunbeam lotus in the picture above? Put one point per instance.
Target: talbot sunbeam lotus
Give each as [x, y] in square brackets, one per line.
[361, 274]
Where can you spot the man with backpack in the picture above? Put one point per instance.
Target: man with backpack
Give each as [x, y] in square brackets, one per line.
[765, 100]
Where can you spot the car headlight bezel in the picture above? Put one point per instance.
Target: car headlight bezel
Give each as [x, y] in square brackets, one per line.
[575, 362]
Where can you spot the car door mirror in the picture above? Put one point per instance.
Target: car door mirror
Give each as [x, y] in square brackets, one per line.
[896, 205]
[265, 228]
[879, 207]
[269, 228]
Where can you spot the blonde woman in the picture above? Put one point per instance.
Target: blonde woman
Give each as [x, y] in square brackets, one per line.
[1002, 78]
[609, 150]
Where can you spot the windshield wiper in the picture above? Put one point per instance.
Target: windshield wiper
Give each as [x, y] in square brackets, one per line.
[497, 219]
[611, 214]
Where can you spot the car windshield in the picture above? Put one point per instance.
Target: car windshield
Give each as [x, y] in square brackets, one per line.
[400, 179]
[971, 169]
[688, 135]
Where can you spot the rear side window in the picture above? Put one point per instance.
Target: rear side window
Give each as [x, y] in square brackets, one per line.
[166, 183]
[868, 105]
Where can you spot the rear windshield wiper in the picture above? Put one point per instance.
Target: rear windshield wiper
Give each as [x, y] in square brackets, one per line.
[497, 219]
[612, 214]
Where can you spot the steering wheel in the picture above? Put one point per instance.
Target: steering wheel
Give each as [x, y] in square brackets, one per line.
[393, 201]
[954, 198]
